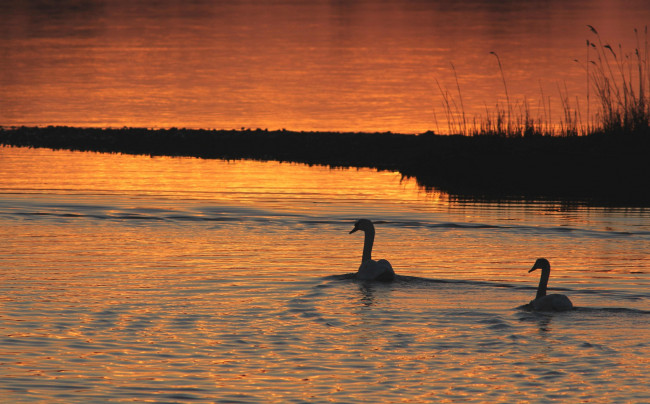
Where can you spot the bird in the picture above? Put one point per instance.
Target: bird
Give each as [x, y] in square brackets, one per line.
[371, 270]
[544, 302]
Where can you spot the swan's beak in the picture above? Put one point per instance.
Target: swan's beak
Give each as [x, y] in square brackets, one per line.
[353, 230]
[532, 269]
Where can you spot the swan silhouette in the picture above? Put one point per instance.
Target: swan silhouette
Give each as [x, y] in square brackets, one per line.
[371, 270]
[544, 302]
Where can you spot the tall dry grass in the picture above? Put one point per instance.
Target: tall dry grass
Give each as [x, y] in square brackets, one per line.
[618, 83]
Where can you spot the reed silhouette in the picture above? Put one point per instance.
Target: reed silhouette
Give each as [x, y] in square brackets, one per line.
[622, 90]
[620, 83]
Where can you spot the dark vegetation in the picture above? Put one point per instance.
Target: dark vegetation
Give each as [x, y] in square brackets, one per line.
[598, 168]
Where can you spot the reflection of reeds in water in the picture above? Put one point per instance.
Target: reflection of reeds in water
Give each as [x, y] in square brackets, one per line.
[620, 83]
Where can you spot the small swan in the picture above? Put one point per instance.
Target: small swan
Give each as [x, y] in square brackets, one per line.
[544, 302]
[371, 270]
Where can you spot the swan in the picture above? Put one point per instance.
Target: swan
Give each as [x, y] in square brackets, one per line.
[544, 302]
[371, 270]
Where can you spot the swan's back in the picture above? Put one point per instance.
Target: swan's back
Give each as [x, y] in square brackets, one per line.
[552, 302]
[371, 270]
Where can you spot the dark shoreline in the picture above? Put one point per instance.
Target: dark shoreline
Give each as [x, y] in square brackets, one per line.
[596, 169]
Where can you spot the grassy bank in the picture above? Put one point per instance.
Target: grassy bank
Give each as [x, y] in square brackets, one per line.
[600, 168]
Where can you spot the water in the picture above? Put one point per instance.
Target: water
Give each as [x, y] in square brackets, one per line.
[129, 278]
[319, 65]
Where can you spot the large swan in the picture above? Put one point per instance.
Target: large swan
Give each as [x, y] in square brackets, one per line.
[544, 302]
[371, 270]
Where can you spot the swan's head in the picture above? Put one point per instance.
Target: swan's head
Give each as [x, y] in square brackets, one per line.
[541, 263]
[363, 225]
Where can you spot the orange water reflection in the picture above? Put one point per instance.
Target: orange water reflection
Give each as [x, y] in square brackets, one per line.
[361, 66]
[41, 170]
[123, 187]
[122, 281]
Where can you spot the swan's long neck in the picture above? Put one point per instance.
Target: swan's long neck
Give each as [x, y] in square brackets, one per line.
[367, 244]
[543, 282]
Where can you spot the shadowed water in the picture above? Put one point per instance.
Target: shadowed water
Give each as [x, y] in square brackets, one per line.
[176, 280]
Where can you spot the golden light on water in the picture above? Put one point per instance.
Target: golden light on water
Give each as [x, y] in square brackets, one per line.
[342, 67]
[198, 178]
[177, 278]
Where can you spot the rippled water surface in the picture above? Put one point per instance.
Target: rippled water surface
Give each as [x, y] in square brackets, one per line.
[129, 278]
[344, 65]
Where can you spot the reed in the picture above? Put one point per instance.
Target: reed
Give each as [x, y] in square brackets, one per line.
[511, 120]
[460, 97]
[505, 86]
[514, 119]
[618, 83]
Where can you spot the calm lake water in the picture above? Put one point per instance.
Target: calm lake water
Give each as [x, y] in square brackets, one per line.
[130, 278]
[340, 65]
